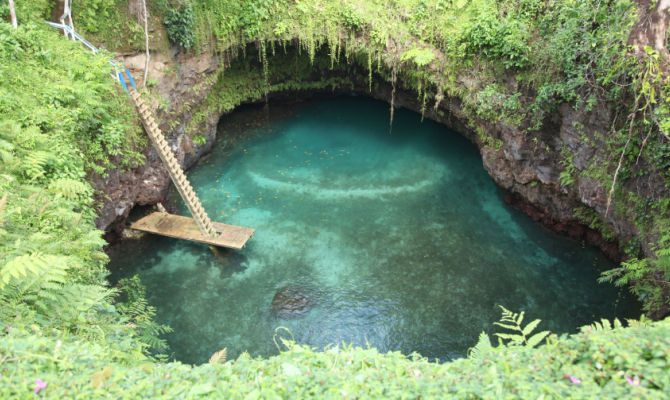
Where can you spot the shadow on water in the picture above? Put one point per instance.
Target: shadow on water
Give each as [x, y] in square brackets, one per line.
[398, 240]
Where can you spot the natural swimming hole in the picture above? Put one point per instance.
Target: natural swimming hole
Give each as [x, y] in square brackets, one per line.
[398, 240]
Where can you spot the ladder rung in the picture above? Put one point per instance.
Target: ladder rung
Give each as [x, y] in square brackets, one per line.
[160, 143]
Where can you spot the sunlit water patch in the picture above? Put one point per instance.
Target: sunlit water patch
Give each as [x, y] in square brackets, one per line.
[400, 240]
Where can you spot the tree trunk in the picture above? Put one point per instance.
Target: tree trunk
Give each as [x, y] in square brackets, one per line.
[146, 42]
[651, 29]
[135, 8]
[12, 14]
[57, 10]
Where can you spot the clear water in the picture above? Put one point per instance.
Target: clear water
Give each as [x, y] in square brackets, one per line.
[400, 240]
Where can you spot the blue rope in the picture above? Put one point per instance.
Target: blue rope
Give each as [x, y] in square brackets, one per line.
[123, 82]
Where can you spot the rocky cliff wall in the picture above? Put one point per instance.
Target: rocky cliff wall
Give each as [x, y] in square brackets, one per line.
[529, 167]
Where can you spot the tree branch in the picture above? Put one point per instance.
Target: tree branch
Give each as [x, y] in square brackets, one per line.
[12, 14]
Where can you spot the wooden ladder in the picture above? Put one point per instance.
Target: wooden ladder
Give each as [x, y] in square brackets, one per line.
[174, 169]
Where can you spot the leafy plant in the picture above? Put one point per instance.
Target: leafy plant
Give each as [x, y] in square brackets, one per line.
[567, 176]
[92, 15]
[199, 140]
[519, 336]
[503, 39]
[420, 57]
[480, 350]
[141, 315]
[352, 20]
[34, 11]
[180, 24]
[648, 278]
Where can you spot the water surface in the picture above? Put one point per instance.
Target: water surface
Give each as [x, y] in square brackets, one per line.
[400, 240]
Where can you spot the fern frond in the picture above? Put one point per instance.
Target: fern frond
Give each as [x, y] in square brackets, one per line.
[602, 325]
[537, 338]
[93, 239]
[483, 345]
[85, 297]
[507, 326]
[35, 164]
[514, 338]
[28, 264]
[219, 357]
[512, 321]
[531, 327]
[70, 189]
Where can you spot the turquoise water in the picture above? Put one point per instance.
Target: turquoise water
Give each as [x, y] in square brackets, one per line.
[400, 240]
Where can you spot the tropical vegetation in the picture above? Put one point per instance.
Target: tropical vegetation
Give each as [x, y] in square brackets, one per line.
[64, 332]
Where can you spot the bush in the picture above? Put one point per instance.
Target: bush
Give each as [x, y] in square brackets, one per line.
[506, 40]
[34, 11]
[180, 25]
[600, 362]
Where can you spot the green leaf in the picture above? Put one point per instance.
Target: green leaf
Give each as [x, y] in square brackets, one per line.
[507, 326]
[537, 338]
[514, 338]
[483, 345]
[528, 329]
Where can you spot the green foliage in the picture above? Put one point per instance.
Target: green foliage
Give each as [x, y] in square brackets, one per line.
[351, 19]
[180, 25]
[482, 347]
[505, 40]
[141, 314]
[494, 104]
[33, 11]
[92, 15]
[519, 336]
[61, 110]
[62, 119]
[199, 140]
[602, 325]
[108, 21]
[648, 278]
[582, 56]
[246, 80]
[513, 61]
[593, 220]
[420, 57]
[567, 176]
[619, 363]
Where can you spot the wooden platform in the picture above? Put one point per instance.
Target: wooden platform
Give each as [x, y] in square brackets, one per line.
[176, 226]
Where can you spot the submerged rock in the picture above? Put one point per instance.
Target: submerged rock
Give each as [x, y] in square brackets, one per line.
[131, 234]
[292, 302]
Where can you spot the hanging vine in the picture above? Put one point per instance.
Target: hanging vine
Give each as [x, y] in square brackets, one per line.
[394, 77]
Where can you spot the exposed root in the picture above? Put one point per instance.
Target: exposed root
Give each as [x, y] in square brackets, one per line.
[623, 153]
[438, 99]
[644, 142]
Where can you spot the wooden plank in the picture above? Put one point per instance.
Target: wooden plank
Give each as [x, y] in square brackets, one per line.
[176, 226]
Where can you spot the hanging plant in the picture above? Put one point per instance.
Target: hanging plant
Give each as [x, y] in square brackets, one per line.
[180, 25]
